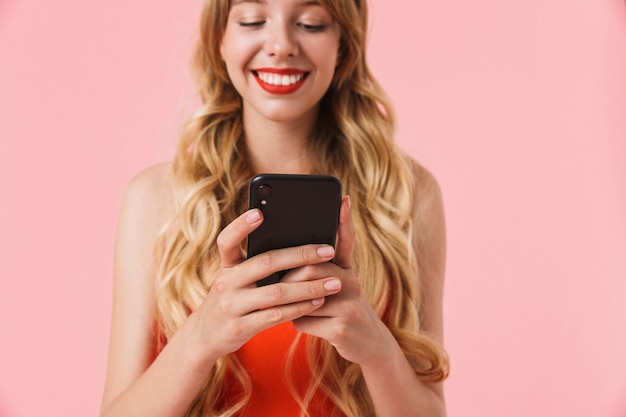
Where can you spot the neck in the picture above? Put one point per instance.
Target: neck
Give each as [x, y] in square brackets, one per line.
[278, 146]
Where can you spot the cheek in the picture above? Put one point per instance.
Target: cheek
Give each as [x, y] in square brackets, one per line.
[227, 51]
[330, 51]
[326, 56]
[237, 52]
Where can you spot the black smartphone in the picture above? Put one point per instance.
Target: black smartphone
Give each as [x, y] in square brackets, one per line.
[297, 210]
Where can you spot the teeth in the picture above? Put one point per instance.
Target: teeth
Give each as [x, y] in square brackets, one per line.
[278, 79]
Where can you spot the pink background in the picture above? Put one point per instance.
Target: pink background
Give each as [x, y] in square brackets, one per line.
[518, 107]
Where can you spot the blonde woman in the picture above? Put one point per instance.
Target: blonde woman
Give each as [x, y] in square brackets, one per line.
[285, 89]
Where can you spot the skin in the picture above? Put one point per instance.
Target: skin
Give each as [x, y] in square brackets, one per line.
[322, 299]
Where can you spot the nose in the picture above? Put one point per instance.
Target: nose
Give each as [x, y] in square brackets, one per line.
[281, 42]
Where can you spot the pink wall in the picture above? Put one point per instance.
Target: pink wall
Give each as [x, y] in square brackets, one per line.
[518, 108]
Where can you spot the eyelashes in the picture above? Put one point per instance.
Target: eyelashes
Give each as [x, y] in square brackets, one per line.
[257, 24]
[312, 28]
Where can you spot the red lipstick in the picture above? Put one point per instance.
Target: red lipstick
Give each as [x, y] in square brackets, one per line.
[280, 80]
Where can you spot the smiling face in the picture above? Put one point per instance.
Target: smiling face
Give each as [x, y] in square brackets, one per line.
[280, 56]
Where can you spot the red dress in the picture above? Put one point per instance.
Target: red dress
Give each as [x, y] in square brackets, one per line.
[264, 358]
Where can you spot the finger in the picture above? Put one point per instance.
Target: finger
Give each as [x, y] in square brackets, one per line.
[229, 240]
[313, 324]
[345, 236]
[285, 294]
[266, 318]
[283, 302]
[252, 299]
[311, 272]
[268, 263]
[333, 304]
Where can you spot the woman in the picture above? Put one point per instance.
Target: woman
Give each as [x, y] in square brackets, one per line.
[285, 89]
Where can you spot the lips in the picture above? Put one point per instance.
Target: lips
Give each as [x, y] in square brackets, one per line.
[280, 80]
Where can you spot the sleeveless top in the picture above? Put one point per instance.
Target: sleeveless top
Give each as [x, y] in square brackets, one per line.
[264, 358]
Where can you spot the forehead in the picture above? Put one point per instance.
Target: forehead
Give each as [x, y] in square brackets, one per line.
[294, 2]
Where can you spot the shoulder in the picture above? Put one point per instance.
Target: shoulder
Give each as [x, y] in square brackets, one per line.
[429, 238]
[428, 199]
[147, 205]
[150, 193]
[428, 210]
[154, 183]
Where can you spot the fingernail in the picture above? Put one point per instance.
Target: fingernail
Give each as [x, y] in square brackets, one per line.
[332, 285]
[317, 301]
[325, 251]
[253, 216]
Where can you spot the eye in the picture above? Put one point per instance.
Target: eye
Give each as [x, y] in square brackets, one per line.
[312, 28]
[252, 24]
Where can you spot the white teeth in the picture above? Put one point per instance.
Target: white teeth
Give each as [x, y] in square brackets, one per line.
[278, 79]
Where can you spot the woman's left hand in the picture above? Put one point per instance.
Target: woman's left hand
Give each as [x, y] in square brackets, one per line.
[346, 320]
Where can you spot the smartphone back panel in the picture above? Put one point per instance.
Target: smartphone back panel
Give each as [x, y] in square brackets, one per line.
[297, 210]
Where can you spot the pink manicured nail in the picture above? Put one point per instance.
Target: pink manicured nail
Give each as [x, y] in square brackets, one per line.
[332, 285]
[253, 216]
[317, 301]
[325, 251]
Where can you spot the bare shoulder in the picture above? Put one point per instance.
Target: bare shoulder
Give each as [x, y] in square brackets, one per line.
[154, 187]
[148, 200]
[428, 196]
[154, 174]
[147, 205]
[428, 216]
[429, 237]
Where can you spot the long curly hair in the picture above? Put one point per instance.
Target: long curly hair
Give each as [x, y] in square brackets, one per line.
[353, 140]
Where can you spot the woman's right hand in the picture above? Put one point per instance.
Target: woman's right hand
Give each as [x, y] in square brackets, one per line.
[235, 309]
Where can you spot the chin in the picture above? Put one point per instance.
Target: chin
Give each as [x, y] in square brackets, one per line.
[289, 114]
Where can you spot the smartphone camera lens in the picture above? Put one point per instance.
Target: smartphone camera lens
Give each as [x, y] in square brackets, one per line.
[265, 190]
